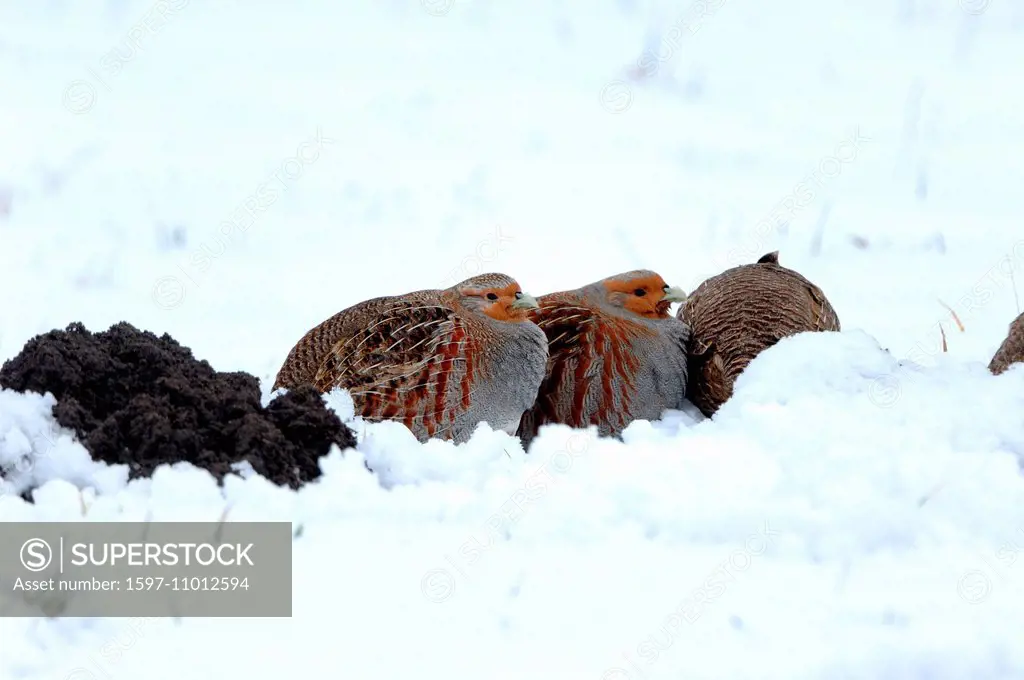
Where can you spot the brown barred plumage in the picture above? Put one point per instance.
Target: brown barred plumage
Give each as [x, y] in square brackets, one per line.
[615, 356]
[739, 313]
[1011, 351]
[439, 361]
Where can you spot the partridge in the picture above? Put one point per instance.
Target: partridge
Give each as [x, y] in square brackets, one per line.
[739, 313]
[615, 355]
[439, 361]
[1011, 351]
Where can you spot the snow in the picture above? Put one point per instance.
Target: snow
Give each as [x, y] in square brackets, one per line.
[235, 173]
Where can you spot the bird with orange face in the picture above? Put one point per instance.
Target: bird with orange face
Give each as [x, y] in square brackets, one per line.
[439, 361]
[615, 355]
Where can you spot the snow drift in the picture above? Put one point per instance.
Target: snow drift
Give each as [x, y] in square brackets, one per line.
[811, 529]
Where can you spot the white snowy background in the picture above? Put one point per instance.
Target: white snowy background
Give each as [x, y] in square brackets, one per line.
[851, 513]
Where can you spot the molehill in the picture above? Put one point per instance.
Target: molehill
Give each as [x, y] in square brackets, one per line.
[137, 399]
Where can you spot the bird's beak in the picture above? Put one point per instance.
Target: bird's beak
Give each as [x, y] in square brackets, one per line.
[674, 294]
[525, 301]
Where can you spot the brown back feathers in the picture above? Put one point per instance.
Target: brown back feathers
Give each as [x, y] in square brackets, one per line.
[1012, 349]
[739, 313]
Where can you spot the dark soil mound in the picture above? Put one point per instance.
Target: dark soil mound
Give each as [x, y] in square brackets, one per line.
[137, 399]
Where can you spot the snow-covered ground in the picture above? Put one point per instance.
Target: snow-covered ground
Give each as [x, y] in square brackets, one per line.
[232, 173]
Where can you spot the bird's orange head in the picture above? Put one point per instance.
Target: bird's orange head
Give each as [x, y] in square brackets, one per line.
[641, 292]
[496, 295]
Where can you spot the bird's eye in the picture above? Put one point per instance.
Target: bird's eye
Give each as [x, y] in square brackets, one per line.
[492, 296]
[640, 292]
[519, 295]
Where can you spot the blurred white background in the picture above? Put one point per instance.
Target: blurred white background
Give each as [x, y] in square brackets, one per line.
[471, 135]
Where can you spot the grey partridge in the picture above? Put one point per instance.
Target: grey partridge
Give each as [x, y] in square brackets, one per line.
[739, 313]
[615, 355]
[439, 361]
[1011, 351]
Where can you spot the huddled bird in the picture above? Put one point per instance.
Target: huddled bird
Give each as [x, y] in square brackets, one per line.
[615, 355]
[1011, 351]
[439, 361]
[737, 314]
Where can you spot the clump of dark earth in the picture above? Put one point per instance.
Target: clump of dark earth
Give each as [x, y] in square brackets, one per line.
[140, 400]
